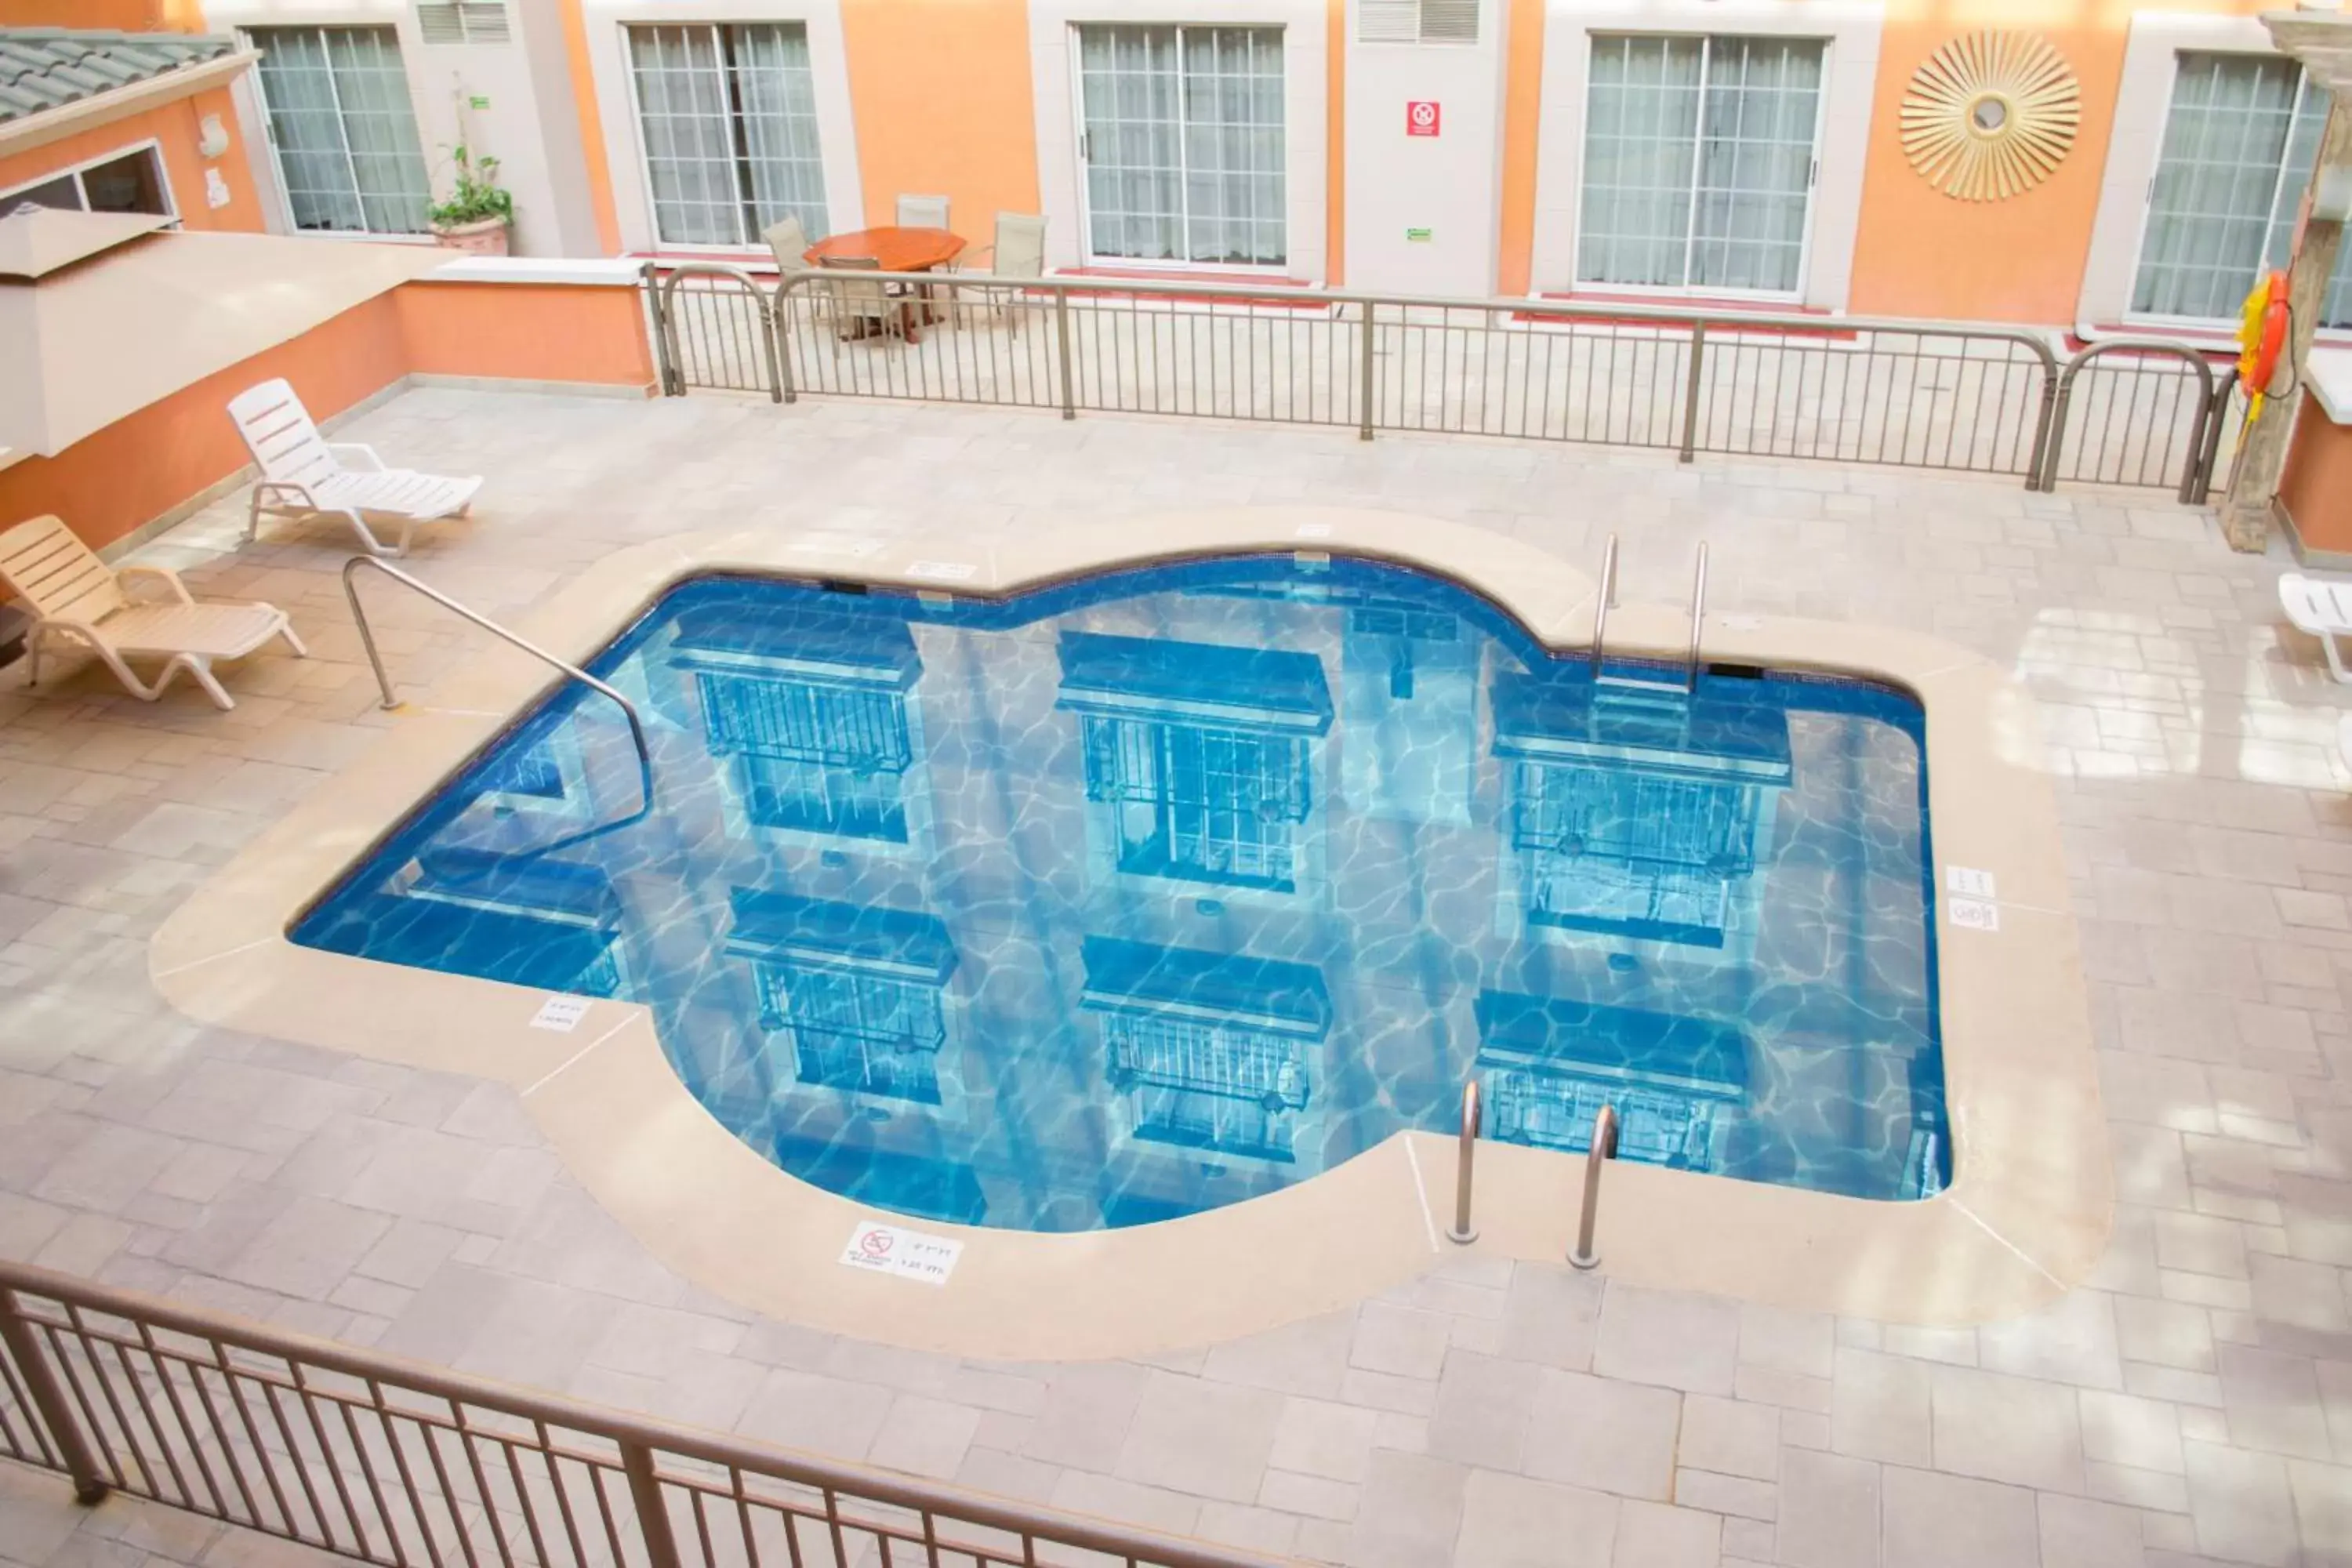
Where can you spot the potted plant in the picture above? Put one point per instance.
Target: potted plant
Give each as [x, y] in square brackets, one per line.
[477, 213]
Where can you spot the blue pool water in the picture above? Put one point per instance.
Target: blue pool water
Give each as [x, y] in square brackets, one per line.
[1157, 892]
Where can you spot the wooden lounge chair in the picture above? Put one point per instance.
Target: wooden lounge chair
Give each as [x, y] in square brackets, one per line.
[77, 596]
[302, 475]
[2322, 609]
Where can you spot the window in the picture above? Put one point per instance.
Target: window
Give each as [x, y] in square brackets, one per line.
[729, 117]
[2238, 142]
[866, 1033]
[1198, 804]
[1698, 161]
[815, 757]
[129, 182]
[345, 132]
[1182, 144]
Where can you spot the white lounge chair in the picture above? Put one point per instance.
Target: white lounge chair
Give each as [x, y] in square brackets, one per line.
[77, 596]
[303, 475]
[2322, 609]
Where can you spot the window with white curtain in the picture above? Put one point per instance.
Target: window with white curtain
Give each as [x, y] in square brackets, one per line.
[2239, 141]
[729, 117]
[1182, 144]
[344, 128]
[1698, 161]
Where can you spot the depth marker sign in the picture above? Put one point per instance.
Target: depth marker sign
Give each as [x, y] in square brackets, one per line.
[909, 1254]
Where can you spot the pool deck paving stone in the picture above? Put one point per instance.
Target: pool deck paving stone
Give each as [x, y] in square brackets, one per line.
[2192, 1403]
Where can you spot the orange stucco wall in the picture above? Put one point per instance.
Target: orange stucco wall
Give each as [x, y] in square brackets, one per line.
[139, 468]
[2315, 488]
[537, 333]
[941, 95]
[1335, 145]
[592, 127]
[131, 15]
[1522, 116]
[175, 127]
[1921, 253]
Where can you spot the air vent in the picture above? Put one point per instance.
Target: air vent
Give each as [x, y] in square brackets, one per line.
[1388, 21]
[1416, 21]
[1449, 21]
[462, 21]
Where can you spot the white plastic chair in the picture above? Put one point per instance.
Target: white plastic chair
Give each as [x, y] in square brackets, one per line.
[302, 475]
[922, 212]
[1018, 252]
[2321, 609]
[77, 596]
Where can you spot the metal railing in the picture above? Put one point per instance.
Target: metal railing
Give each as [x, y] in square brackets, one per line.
[389, 1462]
[392, 699]
[1462, 1232]
[1972, 397]
[1597, 1155]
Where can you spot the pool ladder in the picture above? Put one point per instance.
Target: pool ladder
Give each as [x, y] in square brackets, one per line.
[1606, 600]
[392, 700]
[1584, 1254]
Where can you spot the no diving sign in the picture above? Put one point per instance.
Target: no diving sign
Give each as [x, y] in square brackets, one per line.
[910, 1253]
[1420, 118]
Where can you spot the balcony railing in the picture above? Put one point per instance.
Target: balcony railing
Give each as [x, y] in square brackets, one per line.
[1972, 397]
[389, 1462]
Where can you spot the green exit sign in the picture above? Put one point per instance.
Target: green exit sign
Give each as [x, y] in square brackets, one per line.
[1416, 237]
[478, 101]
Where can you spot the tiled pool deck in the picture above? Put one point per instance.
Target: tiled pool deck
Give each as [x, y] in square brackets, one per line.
[2195, 1403]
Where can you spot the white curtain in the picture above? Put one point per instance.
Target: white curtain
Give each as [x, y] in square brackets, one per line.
[1234, 145]
[344, 128]
[1698, 160]
[1185, 143]
[2238, 150]
[1134, 156]
[1640, 152]
[724, 164]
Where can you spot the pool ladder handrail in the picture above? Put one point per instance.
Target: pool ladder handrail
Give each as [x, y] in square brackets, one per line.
[1462, 1233]
[1605, 600]
[1602, 1148]
[392, 700]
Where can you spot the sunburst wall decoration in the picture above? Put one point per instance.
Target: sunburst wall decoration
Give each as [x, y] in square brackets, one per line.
[1990, 115]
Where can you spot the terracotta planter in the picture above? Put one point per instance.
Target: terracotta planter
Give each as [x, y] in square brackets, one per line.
[487, 236]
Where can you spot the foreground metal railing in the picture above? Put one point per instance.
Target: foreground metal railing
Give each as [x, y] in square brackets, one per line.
[394, 1463]
[1972, 397]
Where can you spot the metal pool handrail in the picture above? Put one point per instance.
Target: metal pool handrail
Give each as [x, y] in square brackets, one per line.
[1698, 616]
[406, 1466]
[1603, 1149]
[1463, 1232]
[391, 699]
[1604, 599]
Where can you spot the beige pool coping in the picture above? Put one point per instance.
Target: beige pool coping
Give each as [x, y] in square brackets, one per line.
[2025, 1218]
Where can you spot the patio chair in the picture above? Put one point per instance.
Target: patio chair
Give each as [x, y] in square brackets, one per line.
[303, 475]
[75, 595]
[1019, 251]
[2321, 609]
[922, 212]
[789, 241]
[862, 308]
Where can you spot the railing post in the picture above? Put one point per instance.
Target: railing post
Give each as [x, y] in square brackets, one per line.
[2044, 428]
[1603, 1149]
[1699, 617]
[49, 1403]
[1366, 377]
[1463, 1232]
[2217, 419]
[1062, 352]
[782, 333]
[665, 363]
[653, 1514]
[1690, 393]
[1604, 599]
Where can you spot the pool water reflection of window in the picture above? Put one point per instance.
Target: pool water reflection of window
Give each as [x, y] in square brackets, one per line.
[1159, 892]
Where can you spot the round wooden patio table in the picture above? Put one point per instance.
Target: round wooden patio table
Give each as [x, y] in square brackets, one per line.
[897, 249]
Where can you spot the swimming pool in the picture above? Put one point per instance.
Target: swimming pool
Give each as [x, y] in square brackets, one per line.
[1142, 895]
